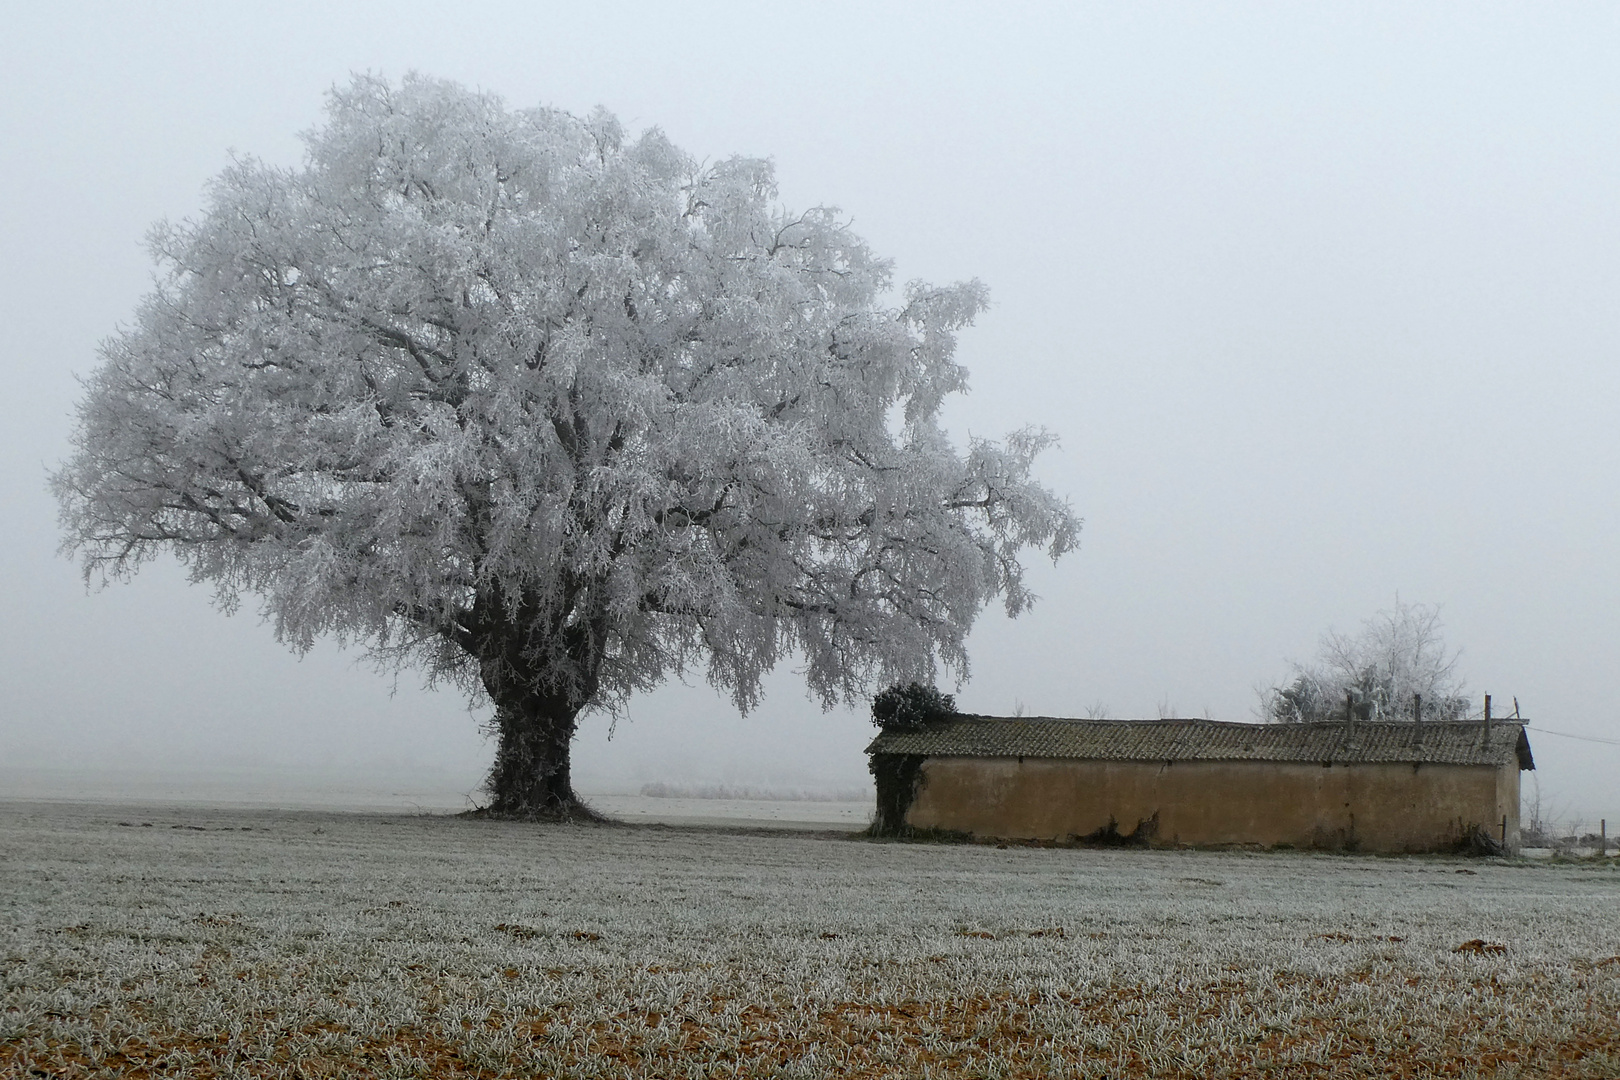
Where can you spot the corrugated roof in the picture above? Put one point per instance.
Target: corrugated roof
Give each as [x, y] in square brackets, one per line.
[1463, 743]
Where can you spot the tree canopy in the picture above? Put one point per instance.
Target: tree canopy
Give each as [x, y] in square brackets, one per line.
[554, 413]
[911, 707]
[1397, 657]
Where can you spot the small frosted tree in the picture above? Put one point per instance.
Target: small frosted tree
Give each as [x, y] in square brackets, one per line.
[1399, 653]
[554, 414]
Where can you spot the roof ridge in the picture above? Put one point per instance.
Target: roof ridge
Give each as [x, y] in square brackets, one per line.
[1203, 739]
[1496, 721]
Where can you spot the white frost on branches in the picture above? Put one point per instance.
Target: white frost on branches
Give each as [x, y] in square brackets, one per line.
[1397, 654]
[474, 383]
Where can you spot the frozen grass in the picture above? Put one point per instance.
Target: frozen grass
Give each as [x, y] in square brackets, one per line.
[749, 793]
[250, 943]
[816, 814]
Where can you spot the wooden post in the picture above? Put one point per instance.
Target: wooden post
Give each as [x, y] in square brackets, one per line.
[1603, 836]
[1487, 714]
[1504, 833]
[1349, 712]
[1417, 708]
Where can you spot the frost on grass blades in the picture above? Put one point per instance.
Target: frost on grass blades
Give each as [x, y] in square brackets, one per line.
[663, 790]
[553, 413]
[203, 944]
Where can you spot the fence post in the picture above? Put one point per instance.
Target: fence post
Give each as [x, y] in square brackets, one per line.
[1487, 715]
[1603, 836]
[1504, 834]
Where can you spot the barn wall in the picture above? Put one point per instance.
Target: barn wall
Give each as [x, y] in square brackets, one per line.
[1507, 804]
[1369, 807]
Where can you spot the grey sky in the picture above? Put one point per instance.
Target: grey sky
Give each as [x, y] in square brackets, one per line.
[1323, 301]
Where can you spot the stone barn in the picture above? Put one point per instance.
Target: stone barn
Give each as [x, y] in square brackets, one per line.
[1390, 787]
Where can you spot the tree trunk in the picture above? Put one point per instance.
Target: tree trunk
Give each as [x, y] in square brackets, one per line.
[530, 777]
[535, 716]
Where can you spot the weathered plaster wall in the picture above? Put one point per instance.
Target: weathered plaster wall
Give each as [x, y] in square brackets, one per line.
[1369, 807]
[1507, 805]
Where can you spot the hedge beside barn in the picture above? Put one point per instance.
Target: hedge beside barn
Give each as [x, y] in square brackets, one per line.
[1388, 787]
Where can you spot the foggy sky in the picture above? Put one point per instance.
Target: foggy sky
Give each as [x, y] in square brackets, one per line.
[1322, 301]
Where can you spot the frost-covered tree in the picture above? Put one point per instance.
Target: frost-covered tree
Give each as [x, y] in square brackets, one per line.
[1399, 653]
[552, 413]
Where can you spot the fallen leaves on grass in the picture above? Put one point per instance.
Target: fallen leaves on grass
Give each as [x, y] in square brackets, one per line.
[1093, 1032]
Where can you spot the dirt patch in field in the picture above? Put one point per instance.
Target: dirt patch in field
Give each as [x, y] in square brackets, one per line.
[1007, 1035]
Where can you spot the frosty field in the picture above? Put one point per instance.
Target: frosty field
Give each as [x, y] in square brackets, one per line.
[141, 941]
